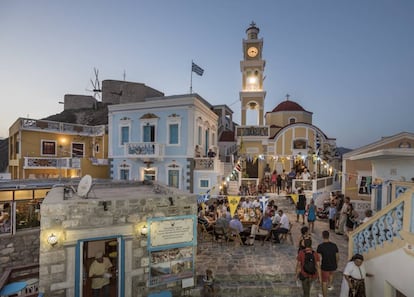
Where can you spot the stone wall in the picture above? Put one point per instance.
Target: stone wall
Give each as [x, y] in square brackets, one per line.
[72, 102]
[114, 212]
[120, 92]
[19, 249]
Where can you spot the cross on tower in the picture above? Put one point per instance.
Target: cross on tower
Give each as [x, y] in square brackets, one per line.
[287, 97]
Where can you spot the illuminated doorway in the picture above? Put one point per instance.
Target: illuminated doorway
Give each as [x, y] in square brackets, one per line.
[113, 249]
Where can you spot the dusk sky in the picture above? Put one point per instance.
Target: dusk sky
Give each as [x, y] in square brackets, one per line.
[351, 63]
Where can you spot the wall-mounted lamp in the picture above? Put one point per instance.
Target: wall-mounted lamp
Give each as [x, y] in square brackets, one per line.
[52, 239]
[144, 231]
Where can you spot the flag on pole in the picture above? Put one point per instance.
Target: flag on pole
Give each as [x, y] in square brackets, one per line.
[197, 69]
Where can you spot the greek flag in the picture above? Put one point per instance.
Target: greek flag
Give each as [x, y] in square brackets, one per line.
[197, 69]
[203, 197]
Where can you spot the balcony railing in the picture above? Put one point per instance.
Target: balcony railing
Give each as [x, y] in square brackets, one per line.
[51, 163]
[257, 131]
[205, 163]
[144, 150]
[387, 227]
[50, 126]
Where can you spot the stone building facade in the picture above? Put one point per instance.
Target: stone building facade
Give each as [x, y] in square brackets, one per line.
[110, 220]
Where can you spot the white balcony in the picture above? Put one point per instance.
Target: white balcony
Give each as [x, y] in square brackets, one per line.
[144, 150]
[209, 164]
[58, 127]
[51, 163]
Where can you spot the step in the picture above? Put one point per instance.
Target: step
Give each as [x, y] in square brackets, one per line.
[262, 286]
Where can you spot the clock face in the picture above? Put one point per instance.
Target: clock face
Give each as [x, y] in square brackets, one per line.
[252, 51]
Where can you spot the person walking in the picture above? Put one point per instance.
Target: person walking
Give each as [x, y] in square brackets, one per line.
[273, 180]
[279, 183]
[301, 206]
[311, 210]
[330, 257]
[343, 216]
[304, 234]
[353, 282]
[332, 216]
[308, 267]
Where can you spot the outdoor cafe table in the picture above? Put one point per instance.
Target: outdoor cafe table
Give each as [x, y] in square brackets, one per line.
[13, 288]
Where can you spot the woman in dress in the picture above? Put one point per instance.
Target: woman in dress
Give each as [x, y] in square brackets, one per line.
[353, 282]
[311, 210]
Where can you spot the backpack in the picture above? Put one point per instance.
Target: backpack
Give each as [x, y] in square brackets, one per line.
[309, 266]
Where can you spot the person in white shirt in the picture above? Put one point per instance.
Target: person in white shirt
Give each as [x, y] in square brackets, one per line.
[282, 227]
[246, 203]
[256, 203]
[305, 174]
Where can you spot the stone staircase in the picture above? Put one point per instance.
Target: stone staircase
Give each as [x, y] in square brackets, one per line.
[261, 271]
[281, 285]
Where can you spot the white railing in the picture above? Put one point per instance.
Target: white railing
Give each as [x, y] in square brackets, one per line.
[258, 131]
[144, 150]
[387, 227]
[211, 164]
[51, 163]
[42, 125]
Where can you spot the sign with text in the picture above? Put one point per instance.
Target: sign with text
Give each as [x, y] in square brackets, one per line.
[171, 231]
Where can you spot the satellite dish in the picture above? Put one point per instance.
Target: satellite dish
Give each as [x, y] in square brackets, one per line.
[84, 187]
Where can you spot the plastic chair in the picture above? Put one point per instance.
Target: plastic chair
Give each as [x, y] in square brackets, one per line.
[161, 294]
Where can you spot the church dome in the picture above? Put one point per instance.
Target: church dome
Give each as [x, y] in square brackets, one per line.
[288, 106]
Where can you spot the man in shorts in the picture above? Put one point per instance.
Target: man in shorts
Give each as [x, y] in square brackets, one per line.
[330, 256]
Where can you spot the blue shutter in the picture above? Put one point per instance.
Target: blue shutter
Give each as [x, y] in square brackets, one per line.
[124, 135]
[147, 134]
[173, 134]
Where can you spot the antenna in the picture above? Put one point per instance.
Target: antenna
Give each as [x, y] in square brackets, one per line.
[96, 85]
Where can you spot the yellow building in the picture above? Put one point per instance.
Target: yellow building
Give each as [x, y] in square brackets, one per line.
[296, 143]
[284, 138]
[40, 149]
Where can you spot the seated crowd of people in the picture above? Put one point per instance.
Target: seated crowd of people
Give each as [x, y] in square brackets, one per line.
[249, 222]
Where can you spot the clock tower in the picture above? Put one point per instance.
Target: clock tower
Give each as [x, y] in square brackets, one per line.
[252, 139]
[252, 66]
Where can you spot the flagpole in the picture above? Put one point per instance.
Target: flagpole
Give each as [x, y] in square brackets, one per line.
[191, 80]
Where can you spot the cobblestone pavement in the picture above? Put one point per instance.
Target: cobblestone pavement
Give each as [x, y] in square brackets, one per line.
[269, 260]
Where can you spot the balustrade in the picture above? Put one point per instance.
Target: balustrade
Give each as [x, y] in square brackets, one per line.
[45, 162]
[31, 124]
[389, 226]
[204, 163]
[386, 228]
[144, 149]
[253, 131]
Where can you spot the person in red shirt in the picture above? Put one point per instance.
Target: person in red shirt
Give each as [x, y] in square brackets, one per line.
[307, 278]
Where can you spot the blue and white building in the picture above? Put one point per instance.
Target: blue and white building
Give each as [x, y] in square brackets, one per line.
[156, 139]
